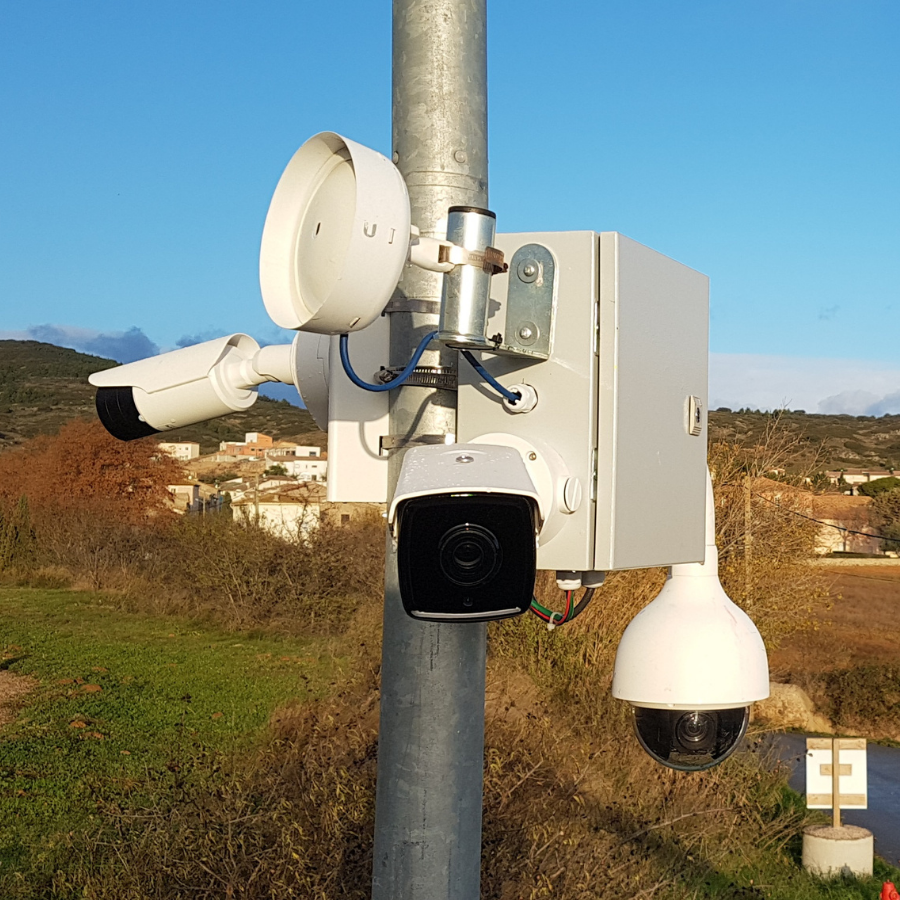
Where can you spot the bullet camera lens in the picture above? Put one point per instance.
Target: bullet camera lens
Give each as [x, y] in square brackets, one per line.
[119, 414]
[469, 555]
[690, 740]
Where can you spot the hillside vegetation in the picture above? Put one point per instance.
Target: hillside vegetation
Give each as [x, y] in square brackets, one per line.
[43, 386]
[823, 442]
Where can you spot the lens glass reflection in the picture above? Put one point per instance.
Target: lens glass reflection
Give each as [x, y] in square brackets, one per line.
[690, 740]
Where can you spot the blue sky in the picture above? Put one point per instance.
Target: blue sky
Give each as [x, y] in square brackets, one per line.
[755, 141]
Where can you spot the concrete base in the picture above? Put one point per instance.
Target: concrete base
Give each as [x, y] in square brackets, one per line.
[832, 852]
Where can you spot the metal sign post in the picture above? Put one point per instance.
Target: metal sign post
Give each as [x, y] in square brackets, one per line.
[431, 739]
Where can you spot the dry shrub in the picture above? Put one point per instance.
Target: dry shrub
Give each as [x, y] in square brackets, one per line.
[246, 576]
[579, 817]
[97, 551]
[84, 467]
[766, 543]
[18, 540]
[864, 699]
[571, 812]
[235, 573]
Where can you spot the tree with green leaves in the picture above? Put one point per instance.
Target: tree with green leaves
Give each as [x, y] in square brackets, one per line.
[879, 486]
[886, 515]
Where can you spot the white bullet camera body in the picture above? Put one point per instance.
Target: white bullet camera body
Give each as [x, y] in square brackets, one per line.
[186, 386]
[466, 520]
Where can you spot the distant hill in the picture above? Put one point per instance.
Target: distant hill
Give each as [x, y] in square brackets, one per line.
[837, 442]
[42, 386]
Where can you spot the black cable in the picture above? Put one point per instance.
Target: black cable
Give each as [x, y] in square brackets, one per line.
[556, 619]
[582, 604]
[800, 515]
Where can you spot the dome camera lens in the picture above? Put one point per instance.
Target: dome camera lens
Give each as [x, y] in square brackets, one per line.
[694, 730]
[690, 740]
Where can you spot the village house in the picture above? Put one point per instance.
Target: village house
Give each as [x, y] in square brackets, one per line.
[287, 513]
[844, 517]
[853, 477]
[182, 451]
[294, 511]
[304, 463]
[254, 446]
[839, 516]
[185, 497]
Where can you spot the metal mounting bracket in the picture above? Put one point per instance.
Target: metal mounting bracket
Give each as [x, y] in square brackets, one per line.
[530, 301]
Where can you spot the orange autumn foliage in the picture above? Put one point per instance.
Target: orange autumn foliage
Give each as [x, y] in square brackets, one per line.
[85, 468]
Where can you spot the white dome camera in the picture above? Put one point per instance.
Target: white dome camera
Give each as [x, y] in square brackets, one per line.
[186, 386]
[690, 664]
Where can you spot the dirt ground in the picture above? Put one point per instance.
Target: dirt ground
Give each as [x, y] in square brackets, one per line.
[12, 689]
[863, 626]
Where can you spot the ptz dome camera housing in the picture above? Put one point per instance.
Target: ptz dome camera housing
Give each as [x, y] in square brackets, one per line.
[691, 663]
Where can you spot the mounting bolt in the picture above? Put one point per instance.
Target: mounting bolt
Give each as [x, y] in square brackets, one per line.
[465, 458]
[527, 333]
[528, 270]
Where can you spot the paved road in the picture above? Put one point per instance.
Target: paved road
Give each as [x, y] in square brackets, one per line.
[882, 817]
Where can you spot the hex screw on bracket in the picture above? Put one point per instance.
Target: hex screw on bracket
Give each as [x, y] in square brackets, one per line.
[528, 270]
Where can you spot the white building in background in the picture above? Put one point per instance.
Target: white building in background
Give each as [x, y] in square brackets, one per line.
[286, 514]
[185, 497]
[303, 463]
[183, 451]
[307, 469]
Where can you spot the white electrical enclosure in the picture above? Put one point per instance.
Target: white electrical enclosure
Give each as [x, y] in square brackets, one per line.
[622, 399]
[357, 420]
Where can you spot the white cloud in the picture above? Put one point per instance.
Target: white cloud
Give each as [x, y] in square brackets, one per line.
[850, 386]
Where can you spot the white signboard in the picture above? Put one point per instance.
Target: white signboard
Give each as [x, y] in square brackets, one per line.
[851, 773]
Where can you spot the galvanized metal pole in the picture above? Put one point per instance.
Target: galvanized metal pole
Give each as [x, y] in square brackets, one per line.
[431, 743]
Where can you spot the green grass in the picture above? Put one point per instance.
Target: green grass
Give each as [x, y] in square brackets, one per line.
[170, 691]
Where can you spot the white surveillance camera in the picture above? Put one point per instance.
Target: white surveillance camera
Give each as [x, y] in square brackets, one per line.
[690, 664]
[465, 518]
[187, 386]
